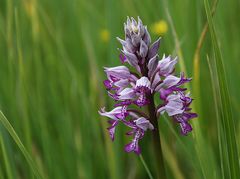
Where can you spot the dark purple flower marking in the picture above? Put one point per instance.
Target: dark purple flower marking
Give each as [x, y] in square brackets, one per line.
[142, 88]
[122, 58]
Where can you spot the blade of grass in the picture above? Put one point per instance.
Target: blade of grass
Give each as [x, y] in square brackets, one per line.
[178, 138]
[145, 166]
[215, 86]
[17, 140]
[21, 83]
[177, 43]
[225, 109]
[6, 159]
[207, 171]
[196, 59]
[171, 160]
[1, 173]
[207, 162]
[95, 101]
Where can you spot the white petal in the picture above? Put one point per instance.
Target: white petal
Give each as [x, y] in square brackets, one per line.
[143, 123]
[111, 114]
[170, 81]
[143, 81]
[127, 93]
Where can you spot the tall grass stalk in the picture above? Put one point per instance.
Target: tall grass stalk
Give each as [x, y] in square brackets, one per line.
[228, 134]
[17, 140]
[6, 160]
[145, 166]
[207, 162]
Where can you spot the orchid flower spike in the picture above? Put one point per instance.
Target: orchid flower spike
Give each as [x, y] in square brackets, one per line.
[132, 90]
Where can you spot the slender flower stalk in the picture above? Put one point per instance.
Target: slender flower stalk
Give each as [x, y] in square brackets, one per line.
[132, 90]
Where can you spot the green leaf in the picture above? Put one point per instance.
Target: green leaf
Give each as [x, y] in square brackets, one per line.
[146, 167]
[203, 149]
[17, 140]
[229, 156]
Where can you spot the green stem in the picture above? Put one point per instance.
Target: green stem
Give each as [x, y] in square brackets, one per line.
[145, 166]
[156, 139]
[156, 135]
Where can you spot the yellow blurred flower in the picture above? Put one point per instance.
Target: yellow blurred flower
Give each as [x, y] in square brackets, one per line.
[159, 27]
[29, 7]
[104, 35]
[31, 11]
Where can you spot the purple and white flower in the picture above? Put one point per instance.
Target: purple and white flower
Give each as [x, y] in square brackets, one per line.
[177, 106]
[142, 88]
[133, 89]
[117, 114]
[139, 127]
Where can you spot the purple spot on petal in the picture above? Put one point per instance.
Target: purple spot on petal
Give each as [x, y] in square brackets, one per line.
[113, 78]
[129, 147]
[142, 100]
[122, 58]
[111, 131]
[107, 84]
[186, 128]
[133, 147]
[112, 128]
[123, 103]
[164, 93]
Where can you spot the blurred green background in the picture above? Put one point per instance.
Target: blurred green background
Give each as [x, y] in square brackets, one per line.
[52, 54]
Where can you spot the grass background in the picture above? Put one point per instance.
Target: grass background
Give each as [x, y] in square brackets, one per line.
[51, 59]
